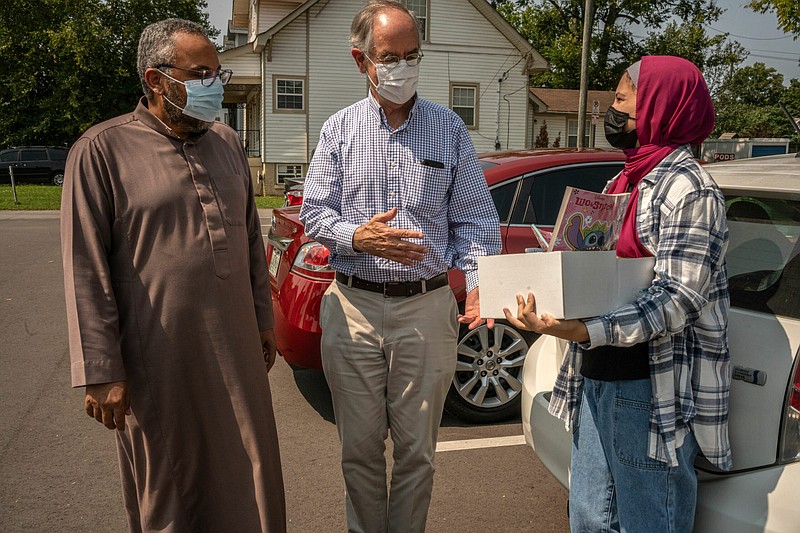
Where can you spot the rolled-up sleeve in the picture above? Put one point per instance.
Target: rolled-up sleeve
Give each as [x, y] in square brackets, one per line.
[691, 247]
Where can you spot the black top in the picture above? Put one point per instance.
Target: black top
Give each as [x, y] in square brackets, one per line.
[614, 363]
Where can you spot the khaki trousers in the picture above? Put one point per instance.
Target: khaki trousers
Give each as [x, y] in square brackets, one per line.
[389, 363]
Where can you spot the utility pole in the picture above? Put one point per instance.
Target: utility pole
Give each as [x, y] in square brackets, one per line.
[499, 96]
[588, 16]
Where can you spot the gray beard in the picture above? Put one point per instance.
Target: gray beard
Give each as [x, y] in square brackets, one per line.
[176, 116]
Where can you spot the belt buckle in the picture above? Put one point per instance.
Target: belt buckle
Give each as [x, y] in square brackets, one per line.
[388, 287]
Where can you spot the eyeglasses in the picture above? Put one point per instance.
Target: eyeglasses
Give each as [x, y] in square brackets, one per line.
[391, 61]
[207, 77]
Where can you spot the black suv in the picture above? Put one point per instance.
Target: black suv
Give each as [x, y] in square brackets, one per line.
[34, 164]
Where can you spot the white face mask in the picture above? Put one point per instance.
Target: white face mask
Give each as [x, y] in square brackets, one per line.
[398, 84]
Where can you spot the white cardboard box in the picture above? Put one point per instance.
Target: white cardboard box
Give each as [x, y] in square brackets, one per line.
[565, 284]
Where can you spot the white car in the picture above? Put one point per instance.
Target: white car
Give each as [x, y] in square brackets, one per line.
[762, 492]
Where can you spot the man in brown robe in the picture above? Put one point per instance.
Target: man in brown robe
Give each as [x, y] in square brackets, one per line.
[168, 302]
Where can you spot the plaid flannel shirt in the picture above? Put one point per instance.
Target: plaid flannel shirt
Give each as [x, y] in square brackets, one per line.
[683, 315]
[427, 168]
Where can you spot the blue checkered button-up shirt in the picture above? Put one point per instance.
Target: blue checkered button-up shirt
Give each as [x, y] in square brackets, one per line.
[427, 168]
[683, 315]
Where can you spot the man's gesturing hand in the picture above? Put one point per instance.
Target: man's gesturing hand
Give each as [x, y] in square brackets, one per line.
[108, 403]
[376, 238]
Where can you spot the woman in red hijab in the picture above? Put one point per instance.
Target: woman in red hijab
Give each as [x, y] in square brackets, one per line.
[645, 387]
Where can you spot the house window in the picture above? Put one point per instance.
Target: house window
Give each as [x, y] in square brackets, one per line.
[284, 172]
[464, 101]
[572, 134]
[289, 95]
[420, 9]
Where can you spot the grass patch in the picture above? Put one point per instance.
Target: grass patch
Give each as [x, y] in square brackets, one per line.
[31, 198]
[269, 202]
[48, 198]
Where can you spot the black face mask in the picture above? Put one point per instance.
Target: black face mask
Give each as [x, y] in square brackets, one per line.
[614, 125]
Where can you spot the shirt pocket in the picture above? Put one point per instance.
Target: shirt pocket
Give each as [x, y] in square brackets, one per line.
[232, 197]
[427, 192]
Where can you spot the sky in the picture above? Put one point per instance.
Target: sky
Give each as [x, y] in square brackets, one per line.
[756, 32]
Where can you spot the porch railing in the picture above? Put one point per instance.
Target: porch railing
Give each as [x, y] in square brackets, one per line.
[251, 139]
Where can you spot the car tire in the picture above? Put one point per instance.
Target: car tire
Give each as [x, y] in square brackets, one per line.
[57, 178]
[487, 384]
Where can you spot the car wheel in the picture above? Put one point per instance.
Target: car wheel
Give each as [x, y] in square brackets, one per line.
[487, 384]
[58, 178]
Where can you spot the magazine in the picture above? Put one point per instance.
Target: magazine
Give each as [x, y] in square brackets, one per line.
[587, 221]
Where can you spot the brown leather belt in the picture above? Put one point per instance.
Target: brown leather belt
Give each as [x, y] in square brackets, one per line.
[394, 288]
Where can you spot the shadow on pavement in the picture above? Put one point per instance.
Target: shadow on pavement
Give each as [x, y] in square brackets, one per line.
[314, 388]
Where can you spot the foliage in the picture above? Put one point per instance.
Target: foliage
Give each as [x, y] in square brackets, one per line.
[542, 139]
[787, 11]
[716, 56]
[71, 63]
[748, 103]
[555, 28]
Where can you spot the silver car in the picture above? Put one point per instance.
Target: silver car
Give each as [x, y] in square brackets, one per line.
[761, 492]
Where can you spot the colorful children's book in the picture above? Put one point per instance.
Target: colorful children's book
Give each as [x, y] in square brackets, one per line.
[588, 221]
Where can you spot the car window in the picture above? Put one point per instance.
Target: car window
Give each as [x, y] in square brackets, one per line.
[58, 155]
[34, 155]
[764, 253]
[503, 197]
[7, 157]
[541, 193]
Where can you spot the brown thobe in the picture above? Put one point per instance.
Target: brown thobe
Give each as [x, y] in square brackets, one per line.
[167, 288]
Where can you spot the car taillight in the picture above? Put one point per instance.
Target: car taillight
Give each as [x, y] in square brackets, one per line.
[312, 260]
[790, 433]
[294, 197]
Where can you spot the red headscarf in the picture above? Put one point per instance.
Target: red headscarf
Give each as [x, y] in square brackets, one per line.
[673, 108]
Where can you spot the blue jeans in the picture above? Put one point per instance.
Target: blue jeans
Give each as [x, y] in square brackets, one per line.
[614, 485]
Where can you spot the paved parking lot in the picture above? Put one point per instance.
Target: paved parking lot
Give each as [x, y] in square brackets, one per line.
[58, 467]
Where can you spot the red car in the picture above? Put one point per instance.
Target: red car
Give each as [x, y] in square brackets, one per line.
[527, 188]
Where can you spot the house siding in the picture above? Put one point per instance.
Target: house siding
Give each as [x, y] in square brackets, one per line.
[285, 138]
[463, 47]
[439, 69]
[334, 79]
[451, 21]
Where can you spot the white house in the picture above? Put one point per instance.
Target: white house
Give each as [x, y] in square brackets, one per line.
[558, 110]
[295, 70]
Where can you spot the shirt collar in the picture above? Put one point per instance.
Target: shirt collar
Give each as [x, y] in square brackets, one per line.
[376, 109]
[143, 114]
[678, 154]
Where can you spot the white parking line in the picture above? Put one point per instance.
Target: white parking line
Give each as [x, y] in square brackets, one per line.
[472, 444]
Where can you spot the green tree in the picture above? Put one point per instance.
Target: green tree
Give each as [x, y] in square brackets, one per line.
[715, 55]
[71, 63]
[748, 103]
[791, 98]
[542, 140]
[555, 27]
[787, 11]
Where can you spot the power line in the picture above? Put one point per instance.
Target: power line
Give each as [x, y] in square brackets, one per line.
[776, 51]
[775, 58]
[750, 38]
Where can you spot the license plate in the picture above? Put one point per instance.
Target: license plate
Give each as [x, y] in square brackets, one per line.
[274, 262]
